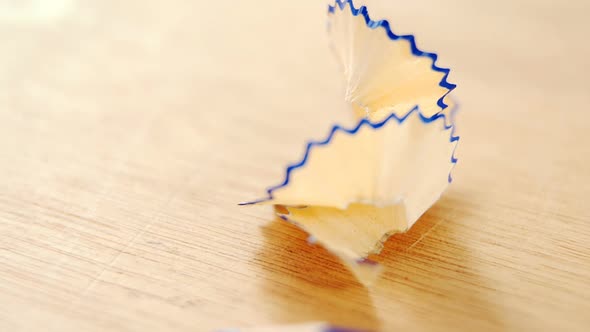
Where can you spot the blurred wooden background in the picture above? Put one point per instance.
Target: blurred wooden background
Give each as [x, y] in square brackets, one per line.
[130, 130]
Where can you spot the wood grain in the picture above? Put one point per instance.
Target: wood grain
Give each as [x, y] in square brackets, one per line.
[130, 130]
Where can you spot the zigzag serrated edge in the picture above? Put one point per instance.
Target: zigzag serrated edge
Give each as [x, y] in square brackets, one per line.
[341, 4]
[362, 10]
[352, 131]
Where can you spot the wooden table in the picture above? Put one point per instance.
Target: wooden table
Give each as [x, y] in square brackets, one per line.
[130, 130]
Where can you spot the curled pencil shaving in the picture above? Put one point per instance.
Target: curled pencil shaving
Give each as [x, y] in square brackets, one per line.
[359, 185]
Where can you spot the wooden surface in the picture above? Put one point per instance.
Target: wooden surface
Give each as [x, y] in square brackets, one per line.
[130, 130]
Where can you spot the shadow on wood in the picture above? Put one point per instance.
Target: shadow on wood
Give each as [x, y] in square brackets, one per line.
[424, 269]
[308, 282]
